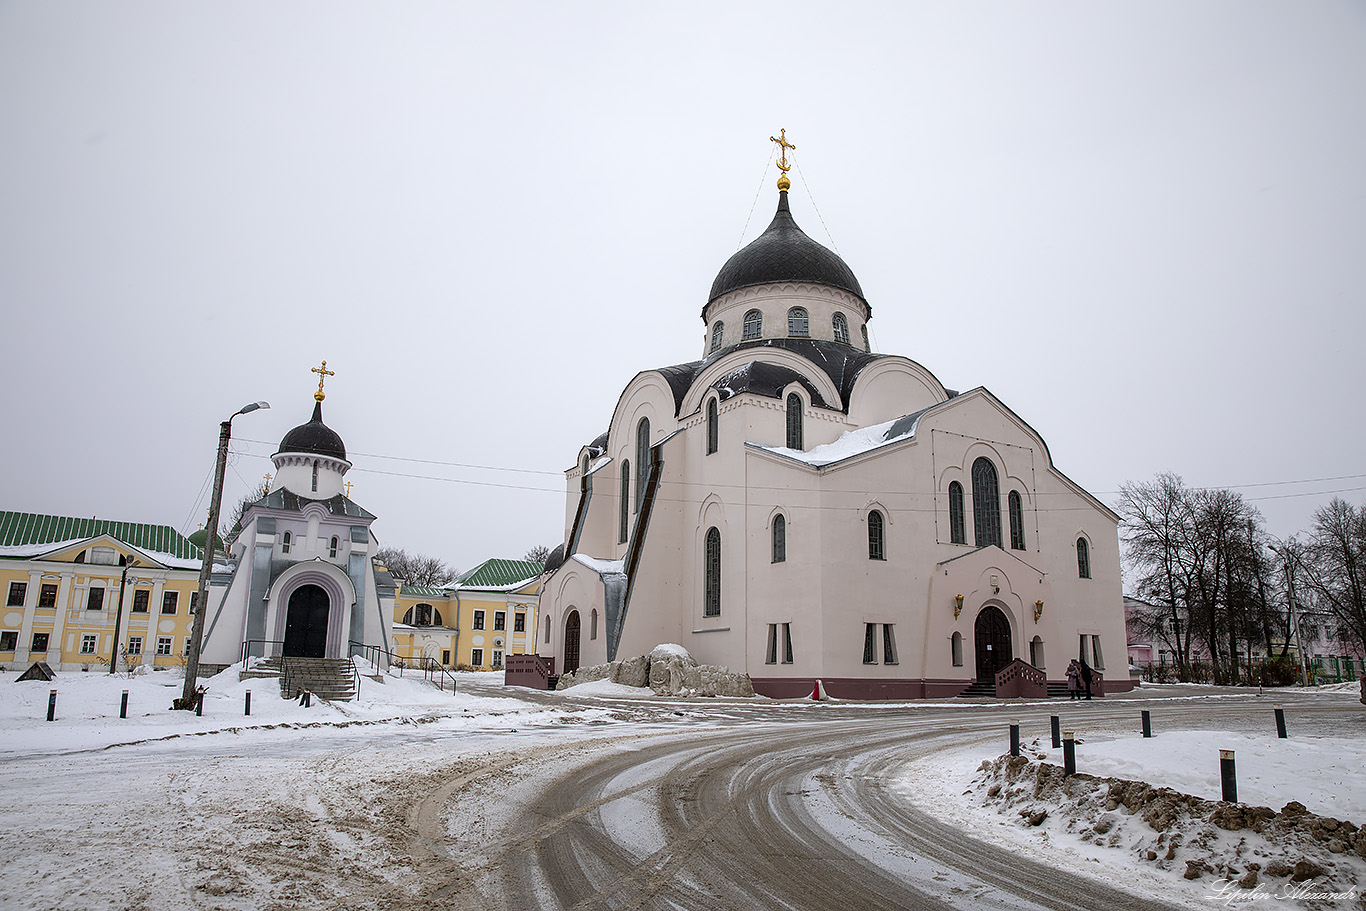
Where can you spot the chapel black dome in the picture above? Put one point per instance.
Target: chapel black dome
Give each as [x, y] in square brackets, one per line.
[783, 253]
[315, 438]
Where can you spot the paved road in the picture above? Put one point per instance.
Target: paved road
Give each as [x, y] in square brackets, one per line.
[744, 814]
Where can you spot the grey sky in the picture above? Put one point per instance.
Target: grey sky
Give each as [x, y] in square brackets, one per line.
[1141, 225]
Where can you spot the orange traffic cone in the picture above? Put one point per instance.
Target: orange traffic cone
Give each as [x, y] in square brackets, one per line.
[816, 690]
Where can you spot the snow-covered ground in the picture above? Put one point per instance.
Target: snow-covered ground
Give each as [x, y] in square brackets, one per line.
[141, 812]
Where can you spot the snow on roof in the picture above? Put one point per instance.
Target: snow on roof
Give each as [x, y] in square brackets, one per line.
[33, 550]
[851, 443]
[601, 567]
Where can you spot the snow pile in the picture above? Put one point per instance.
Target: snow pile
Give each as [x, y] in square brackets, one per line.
[668, 671]
[1253, 846]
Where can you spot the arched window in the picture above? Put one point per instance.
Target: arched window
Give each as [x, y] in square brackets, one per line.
[548, 627]
[986, 503]
[866, 345]
[957, 649]
[642, 459]
[1016, 521]
[716, 332]
[624, 525]
[1036, 652]
[794, 421]
[332, 547]
[841, 326]
[713, 430]
[1083, 559]
[798, 322]
[711, 589]
[779, 539]
[315, 474]
[957, 529]
[593, 624]
[877, 549]
[285, 542]
[754, 325]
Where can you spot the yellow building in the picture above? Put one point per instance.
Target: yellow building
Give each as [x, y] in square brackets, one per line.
[61, 580]
[489, 612]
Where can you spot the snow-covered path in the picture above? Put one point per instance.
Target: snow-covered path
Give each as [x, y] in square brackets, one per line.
[599, 799]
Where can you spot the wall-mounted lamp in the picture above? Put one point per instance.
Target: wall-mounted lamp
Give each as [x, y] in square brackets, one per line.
[957, 606]
[1038, 610]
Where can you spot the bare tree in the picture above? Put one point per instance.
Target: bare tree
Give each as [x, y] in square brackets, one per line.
[416, 569]
[1337, 566]
[538, 554]
[240, 510]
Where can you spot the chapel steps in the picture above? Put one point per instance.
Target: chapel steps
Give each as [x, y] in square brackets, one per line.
[333, 679]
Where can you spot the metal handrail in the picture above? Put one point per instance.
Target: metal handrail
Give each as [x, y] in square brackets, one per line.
[265, 645]
[430, 668]
[369, 652]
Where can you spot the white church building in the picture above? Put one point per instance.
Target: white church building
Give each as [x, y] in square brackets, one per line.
[797, 507]
[300, 578]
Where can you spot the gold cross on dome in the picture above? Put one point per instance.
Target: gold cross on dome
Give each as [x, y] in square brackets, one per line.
[783, 164]
[348, 490]
[323, 373]
[267, 482]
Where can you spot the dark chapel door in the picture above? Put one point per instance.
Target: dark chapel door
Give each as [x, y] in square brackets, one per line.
[993, 643]
[571, 643]
[306, 623]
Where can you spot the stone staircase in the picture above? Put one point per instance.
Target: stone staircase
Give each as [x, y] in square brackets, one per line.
[987, 689]
[326, 678]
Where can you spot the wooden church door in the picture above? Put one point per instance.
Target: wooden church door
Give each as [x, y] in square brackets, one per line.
[306, 623]
[993, 642]
[571, 643]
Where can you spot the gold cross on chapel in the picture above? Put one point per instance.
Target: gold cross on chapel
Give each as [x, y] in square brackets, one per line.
[348, 489]
[783, 164]
[323, 373]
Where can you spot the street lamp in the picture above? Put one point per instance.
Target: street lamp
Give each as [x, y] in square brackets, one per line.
[201, 599]
[128, 563]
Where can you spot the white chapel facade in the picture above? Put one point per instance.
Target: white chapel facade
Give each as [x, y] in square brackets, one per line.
[797, 507]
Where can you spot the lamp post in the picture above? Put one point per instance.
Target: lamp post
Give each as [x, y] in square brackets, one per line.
[128, 563]
[202, 597]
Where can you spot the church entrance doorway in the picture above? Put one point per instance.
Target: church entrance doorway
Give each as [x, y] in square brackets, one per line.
[306, 623]
[993, 643]
[571, 643]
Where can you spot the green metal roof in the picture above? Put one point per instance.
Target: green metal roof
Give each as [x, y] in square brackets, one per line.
[499, 574]
[18, 529]
[423, 591]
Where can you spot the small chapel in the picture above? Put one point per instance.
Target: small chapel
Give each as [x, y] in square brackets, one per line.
[300, 578]
[797, 507]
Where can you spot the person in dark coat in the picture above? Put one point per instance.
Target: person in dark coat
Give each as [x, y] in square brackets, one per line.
[1086, 677]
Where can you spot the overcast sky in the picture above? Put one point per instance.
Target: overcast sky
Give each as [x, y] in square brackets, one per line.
[1141, 225]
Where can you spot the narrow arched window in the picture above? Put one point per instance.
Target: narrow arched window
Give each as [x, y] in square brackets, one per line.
[779, 539]
[711, 589]
[794, 421]
[624, 525]
[798, 322]
[957, 649]
[285, 542]
[1016, 521]
[1083, 559]
[548, 626]
[957, 528]
[986, 503]
[877, 545]
[332, 547]
[716, 332]
[754, 325]
[642, 459]
[841, 327]
[866, 345]
[315, 474]
[593, 624]
[713, 430]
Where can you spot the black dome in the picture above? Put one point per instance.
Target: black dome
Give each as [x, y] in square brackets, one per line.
[784, 253]
[314, 437]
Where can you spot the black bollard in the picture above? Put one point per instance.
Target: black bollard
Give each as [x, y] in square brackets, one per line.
[1015, 739]
[1147, 723]
[1056, 724]
[1228, 776]
[248, 702]
[308, 699]
[52, 705]
[1069, 754]
[1280, 722]
[123, 705]
[199, 703]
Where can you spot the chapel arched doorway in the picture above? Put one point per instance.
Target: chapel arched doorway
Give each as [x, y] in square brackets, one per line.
[571, 642]
[306, 623]
[993, 642]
